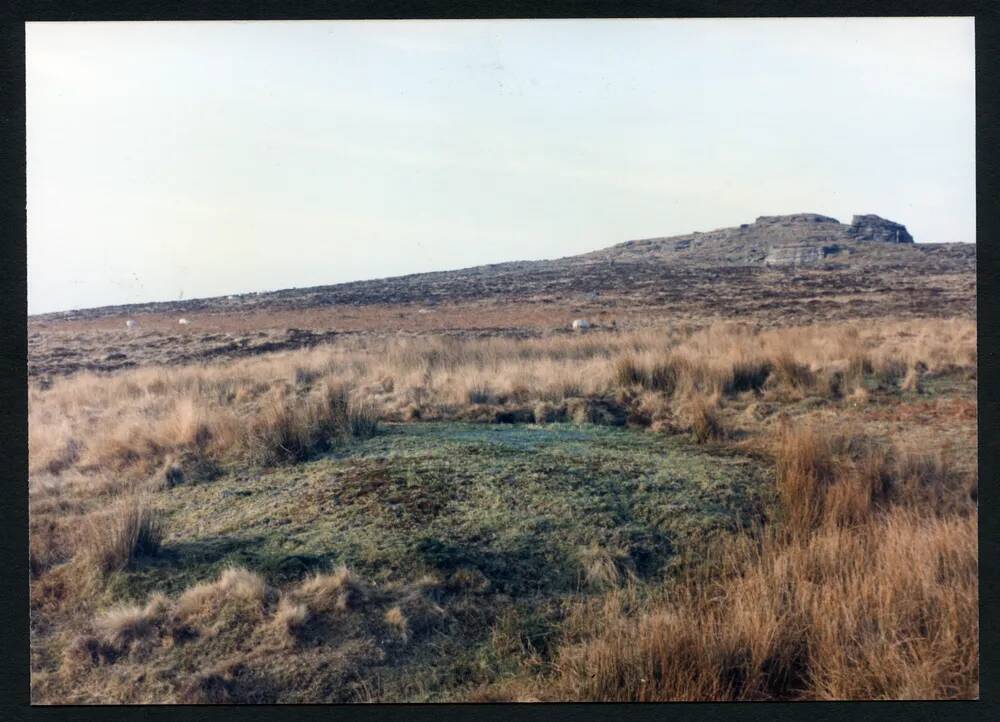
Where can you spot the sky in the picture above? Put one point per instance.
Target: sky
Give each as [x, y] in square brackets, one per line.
[172, 160]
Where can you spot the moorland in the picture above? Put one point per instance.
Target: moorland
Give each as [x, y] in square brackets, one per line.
[753, 477]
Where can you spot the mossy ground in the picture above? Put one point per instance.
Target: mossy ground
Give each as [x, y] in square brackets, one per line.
[507, 506]
[512, 501]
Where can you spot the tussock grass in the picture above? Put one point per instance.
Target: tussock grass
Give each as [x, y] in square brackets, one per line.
[290, 620]
[411, 611]
[911, 381]
[337, 592]
[703, 419]
[128, 530]
[124, 625]
[214, 686]
[279, 424]
[236, 586]
[867, 589]
[825, 479]
[806, 470]
[886, 610]
[225, 623]
[362, 419]
[792, 374]
[664, 375]
[396, 619]
[628, 372]
[137, 419]
[604, 567]
[751, 374]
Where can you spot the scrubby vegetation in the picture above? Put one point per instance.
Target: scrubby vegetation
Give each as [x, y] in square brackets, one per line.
[863, 592]
[717, 513]
[298, 402]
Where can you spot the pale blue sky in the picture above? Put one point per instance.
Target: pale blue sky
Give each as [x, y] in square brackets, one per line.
[213, 158]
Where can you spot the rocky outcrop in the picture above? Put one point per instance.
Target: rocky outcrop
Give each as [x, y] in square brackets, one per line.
[795, 239]
[794, 220]
[799, 254]
[874, 228]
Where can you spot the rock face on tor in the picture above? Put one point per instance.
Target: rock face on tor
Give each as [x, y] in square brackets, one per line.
[797, 239]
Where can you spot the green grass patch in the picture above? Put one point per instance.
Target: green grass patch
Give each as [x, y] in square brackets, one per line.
[509, 505]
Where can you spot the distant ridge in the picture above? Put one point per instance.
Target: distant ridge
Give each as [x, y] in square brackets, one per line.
[771, 245]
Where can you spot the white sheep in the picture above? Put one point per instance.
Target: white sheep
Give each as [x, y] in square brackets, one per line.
[131, 323]
[581, 324]
[183, 321]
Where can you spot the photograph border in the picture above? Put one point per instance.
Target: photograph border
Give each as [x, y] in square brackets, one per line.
[14, 636]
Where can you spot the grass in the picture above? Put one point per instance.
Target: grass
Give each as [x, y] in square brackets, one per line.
[500, 531]
[128, 530]
[401, 503]
[725, 513]
[882, 611]
[704, 420]
[866, 589]
[136, 420]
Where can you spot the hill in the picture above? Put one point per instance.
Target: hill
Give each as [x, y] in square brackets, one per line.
[778, 270]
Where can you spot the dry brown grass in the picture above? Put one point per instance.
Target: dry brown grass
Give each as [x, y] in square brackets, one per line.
[213, 686]
[236, 588]
[290, 620]
[867, 589]
[138, 419]
[289, 428]
[193, 424]
[806, 470]
[396, 619]
[337, 592]
[703, 418]
[911, 381]
[414, 612]
[124, 626]
[129, 529]
[886, 610]
[605, 568]
[825, 479]
[192, 648]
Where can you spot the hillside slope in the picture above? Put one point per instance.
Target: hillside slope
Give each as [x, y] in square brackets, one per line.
[794, 243]
[779, 270]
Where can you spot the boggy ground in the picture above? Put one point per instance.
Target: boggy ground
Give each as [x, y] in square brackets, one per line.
[734, 512]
